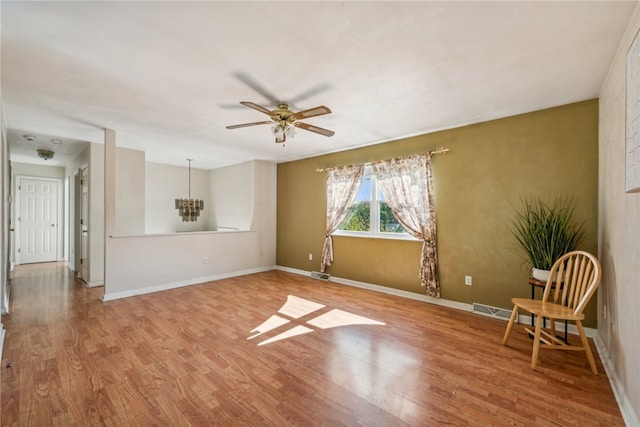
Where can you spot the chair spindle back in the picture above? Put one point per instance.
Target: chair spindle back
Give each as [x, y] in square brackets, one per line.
[574, 278]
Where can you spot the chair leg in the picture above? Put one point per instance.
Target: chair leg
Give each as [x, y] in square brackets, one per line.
[587, 348]
[512, 319]
[536, 342]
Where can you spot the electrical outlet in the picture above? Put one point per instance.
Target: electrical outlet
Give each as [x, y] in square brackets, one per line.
[467, 280]
[205, 260]
[310, 257]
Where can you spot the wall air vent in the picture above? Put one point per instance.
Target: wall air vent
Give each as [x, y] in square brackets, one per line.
[487, 310]
[321, 276]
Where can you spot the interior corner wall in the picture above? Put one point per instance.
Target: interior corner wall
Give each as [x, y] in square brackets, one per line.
[619, 234]
[164, 184]
[5, 207]
[491, 165]
[96, 215]
[232, 197]
[264, 218]
[181, 259]
[4, 212]
[130, 197]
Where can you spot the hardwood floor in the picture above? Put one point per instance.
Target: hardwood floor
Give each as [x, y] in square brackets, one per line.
[183, 358]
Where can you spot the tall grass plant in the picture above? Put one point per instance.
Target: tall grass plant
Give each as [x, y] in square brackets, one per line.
[546, 231]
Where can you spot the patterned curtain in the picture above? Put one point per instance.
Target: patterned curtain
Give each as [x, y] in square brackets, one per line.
[407, 187]
[342, 187]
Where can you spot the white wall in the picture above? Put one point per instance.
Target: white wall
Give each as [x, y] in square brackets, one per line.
[181, 259]
[96, 215]
[5, 207]
[166, 183]
[130, 199]
[619, 237]
[232, 197]
[265, 207]
[37, 170]
[4, 215]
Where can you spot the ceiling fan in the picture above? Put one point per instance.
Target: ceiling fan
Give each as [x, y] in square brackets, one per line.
[284, 120]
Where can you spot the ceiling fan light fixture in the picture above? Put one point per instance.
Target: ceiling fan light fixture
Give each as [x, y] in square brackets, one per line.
[290, 131]
[285, 121]
[45, 154]
[277, 130]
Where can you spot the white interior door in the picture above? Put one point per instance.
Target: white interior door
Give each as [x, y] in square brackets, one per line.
[38, 220]
[77, 225]
[84, 225]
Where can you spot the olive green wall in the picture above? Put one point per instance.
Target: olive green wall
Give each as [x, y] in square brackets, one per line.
[477, 184]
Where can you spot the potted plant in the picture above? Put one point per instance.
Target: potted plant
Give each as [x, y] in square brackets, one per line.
[546, 231]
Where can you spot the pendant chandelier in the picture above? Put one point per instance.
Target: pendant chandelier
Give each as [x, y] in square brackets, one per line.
[189, 209]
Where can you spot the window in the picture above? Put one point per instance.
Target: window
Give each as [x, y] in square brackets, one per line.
[370, 215]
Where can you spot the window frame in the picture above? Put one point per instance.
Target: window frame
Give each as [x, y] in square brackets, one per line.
[374, 216]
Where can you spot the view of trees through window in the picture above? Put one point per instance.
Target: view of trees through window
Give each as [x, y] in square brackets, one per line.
[369, 212]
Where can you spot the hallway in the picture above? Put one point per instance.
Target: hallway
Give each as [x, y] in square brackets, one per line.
[50, 313]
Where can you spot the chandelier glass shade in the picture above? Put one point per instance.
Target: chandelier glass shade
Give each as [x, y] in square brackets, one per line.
[189, 209]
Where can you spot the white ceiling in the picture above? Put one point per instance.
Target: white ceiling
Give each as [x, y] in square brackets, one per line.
[168, 76]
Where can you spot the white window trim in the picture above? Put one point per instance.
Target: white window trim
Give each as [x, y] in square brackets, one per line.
[374, 226]
[379, 235]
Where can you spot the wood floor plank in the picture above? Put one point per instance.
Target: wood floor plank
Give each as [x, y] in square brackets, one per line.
[182, 357]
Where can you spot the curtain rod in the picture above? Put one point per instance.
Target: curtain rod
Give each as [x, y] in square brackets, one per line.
[438, 151]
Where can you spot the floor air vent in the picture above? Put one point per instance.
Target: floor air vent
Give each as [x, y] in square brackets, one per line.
[487, 310]
[318, 275]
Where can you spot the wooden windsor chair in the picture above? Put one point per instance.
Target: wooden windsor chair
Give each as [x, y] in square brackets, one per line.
[576, 275]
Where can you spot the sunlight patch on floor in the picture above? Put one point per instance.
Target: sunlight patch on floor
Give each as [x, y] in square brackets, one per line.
[296, 308]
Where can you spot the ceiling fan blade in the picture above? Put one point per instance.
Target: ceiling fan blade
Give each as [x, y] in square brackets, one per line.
[244, 125]
[315, 129]
[256, 107]
[312, 112]
[255, 85]
[309, 93]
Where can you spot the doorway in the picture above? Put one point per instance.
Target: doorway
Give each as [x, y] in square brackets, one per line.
[82, 224]
[37, 220]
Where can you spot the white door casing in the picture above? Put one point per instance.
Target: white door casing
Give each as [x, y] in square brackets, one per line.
[37, 220]
[84, 225]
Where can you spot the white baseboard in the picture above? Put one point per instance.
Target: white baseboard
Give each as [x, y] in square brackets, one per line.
[182, 283]
[626, 408]
[94, 284]
[522, 318]
[385, 290]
